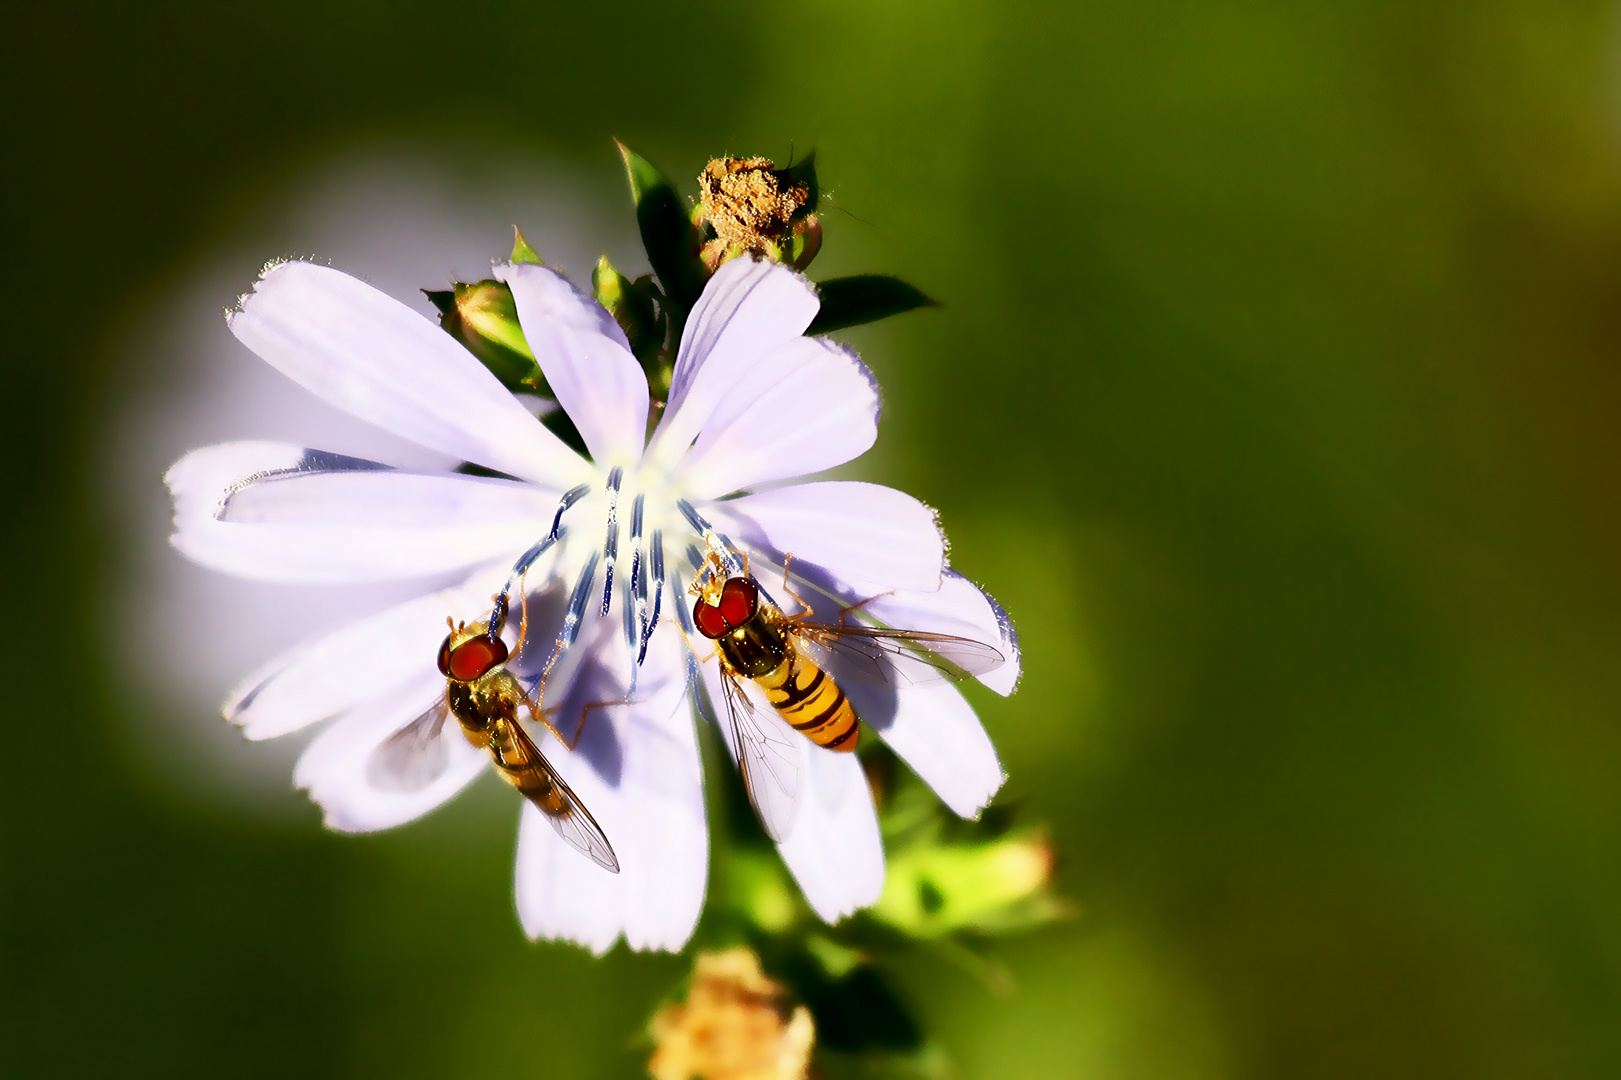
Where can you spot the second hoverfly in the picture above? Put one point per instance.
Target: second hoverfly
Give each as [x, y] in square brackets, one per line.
[484, 697]
[786, 659]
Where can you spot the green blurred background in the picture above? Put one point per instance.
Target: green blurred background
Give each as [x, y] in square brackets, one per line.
[1275, 393]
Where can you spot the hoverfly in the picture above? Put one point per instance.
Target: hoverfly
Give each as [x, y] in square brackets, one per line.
[484, 697]
[786, 657]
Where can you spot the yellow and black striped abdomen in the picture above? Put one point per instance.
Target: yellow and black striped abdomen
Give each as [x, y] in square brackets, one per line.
[812, 703]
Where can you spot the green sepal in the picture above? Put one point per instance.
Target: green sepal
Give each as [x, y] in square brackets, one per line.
[483, 317]
[863, 298]
[668, 235]
[803, 245]
[635, 307]
[522, 252]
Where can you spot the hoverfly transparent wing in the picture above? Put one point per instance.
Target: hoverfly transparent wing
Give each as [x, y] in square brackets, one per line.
[903, 656]
[413, 757]
[564, 809]
[768, 756]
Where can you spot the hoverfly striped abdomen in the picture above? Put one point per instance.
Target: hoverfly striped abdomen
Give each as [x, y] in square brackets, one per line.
[811, 702]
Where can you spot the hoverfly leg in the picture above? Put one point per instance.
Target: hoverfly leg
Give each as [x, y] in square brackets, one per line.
[806, 611]
[523, 619]
[533, 697]
[543, 717]
[690, 650]
[585, 714]
[859, 604]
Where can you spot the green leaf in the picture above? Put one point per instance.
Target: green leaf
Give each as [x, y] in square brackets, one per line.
[864, 298]
[668, 235]
[521, 251]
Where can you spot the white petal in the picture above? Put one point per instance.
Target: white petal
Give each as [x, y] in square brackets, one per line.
[324, 676]
[960, 609]
[370, 355]
[834, 851]
[636, 769]
[586, 359]
[869, 538]
[334, 767]
[820, 411]
[935, 730]
[277, 512]
[748, 310]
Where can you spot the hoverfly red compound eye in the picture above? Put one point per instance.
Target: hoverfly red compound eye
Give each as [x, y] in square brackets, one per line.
[708, 618]
[737, 601]
[444, 656]
[474, 657]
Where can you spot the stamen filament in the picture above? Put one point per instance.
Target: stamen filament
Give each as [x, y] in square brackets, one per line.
[576, 603]
[610, 546]
[649, 624]
[636, 594]
[498, 614]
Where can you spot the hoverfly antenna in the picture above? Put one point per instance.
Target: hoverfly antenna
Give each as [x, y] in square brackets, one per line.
[450, 621]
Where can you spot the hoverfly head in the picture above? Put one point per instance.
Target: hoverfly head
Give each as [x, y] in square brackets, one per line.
[469, 653]
[726, 608]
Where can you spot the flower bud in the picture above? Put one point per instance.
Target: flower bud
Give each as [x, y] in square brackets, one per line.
[934, 889]
[736, 1024]
[484, 318]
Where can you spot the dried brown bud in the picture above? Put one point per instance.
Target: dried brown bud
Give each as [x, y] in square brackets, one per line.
[735, 1025]
[751, 207]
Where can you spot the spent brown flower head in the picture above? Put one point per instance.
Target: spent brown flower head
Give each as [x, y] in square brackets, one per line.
[736, 1024]
[751, 206]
